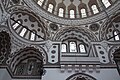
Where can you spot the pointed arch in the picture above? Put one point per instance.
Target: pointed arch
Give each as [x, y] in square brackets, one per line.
[94, 7]
[71, 11]
[61, 12]
[82, 8]
[51, 4]
[61, 9]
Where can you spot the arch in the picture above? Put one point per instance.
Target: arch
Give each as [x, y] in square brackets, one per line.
[23, 27]
[91, 3]
[80, 76]
[75, 34]
[78, 33]
[94, 9]
[53, 3]
[111, 53]
[73, 46]
[72, 11]
[82, 6]
[82, 48]
[61, 5]
[109, 26]
[26, 53]
[63, 47]
[61, 12]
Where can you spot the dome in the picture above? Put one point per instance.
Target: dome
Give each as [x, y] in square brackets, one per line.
[72, 12]
[59, 39]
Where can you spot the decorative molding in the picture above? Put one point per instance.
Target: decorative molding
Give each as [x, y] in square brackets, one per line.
[64, 21]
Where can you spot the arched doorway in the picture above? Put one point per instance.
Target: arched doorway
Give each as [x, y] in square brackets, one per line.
[27, 63]
[80, 76]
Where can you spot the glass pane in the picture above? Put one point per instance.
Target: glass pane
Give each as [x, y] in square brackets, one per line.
[40, 2]
[16, 25]
[64, 48]
[83, 13]
[106, 3]
[73, 47]
[50, 8]
[72, 14]
[116, 36]
[32, 36]
[82, 48]
[61, 10]
[94, 8]
[23, 32]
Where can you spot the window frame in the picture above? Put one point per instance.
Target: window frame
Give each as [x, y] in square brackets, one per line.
[94, 9]
[49, 9]
[83, 15]
[106, 3]
[72, 15]
[66, 47]
[75, 45]
[59, 13]
[84, 49]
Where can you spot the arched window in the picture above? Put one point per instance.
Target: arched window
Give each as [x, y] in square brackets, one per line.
[64, 48]
[116, 36]
[61, 11]
[83, 13]
[106, 3]
[40, 2]
[94, 9]
[16, 24]
[82, 48]
[73, 47]
[50, 8]
[32, 36]
[72, 14]
[22, 33]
